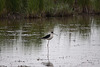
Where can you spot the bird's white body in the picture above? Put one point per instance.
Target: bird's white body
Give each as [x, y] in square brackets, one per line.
[51, 36]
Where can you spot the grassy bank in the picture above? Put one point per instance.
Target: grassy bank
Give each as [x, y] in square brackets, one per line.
[47, 8]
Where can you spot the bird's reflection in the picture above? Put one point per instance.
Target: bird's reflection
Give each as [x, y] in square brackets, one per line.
[48, 64]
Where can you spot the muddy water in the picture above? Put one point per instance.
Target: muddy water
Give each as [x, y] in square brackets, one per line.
[77, 43]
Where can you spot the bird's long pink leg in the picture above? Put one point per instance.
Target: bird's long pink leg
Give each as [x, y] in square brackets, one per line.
[48, 50]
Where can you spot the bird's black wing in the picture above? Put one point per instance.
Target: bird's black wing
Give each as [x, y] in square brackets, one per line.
[47, 36]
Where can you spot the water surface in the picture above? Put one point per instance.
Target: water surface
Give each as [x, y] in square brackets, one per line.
[77, 43]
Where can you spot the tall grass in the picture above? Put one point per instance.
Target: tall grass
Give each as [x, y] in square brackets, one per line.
[35, 6]
[57, 7]
[13, 5]
[2, 6]
[89, 6]
[48, 7]
[96, 5]
[24, 6]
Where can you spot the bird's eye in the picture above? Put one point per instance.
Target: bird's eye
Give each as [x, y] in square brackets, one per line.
[51, 32]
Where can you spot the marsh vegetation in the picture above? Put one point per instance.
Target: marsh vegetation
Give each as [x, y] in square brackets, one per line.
[47, 8]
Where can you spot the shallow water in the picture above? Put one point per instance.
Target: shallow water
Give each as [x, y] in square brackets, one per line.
[77, 43]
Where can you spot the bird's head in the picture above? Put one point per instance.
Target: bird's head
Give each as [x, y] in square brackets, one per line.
[54, 33]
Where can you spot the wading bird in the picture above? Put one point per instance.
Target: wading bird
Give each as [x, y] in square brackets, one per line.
[48, 37]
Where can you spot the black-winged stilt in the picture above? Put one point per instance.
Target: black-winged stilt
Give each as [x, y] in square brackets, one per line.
[48, 37]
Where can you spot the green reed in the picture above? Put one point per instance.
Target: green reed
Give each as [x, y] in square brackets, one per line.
[49, 7]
